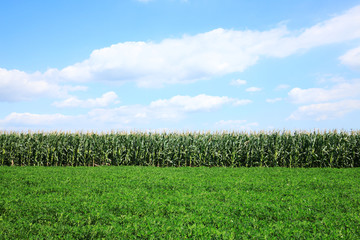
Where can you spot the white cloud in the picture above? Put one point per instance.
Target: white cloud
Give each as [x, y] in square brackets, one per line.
[16, 85]
[174, 108]
[124, 117]
[99, 119]
[188, 59]
[30, 119]
[316, 95]
[122, 114]
[352, 58]
[54, 122]
[324, 111]
[181, 60]
[205, 55]
[200, 102]
[184, 60]
[237, 82]
[131, 115]
[340, 28]
[326, 103]
[253, 89]
[105, 100]
[273, 100]
[235, 125]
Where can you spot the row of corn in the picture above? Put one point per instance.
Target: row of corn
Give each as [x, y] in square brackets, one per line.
[232, 149]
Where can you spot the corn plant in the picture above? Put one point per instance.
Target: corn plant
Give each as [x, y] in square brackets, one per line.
[228, 149]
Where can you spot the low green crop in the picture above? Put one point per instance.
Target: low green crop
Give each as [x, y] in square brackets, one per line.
[179, 203]
[234, 149]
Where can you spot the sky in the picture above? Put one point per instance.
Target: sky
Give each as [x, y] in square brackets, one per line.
[179, 65]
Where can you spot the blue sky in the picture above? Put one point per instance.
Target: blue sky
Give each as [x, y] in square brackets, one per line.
[179, 65]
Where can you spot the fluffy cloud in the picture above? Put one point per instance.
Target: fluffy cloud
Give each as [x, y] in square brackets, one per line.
[42, 121]
[198, 103]
[324, 111]
[16, 85]
[105, 100]
[182, 60]
[326, 103]
[174, 109]
[316, 95]
[205, 55]
[340, 28]
[187, 59]
[352, 58]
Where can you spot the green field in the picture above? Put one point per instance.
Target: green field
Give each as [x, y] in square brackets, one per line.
[178, 203]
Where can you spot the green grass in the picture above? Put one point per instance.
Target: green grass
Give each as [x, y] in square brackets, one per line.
[179, 203]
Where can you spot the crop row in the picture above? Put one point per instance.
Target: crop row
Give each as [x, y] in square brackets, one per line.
[233, 149]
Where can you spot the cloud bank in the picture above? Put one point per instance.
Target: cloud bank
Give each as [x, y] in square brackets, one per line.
[17, 85]
[352, 58]
[326, 103]
[338, 91]
[172, 109]
[206, 55]
[105, 100]
[324, 111]
[183, 60]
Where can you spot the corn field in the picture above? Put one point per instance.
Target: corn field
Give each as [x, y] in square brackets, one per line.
[230, 149]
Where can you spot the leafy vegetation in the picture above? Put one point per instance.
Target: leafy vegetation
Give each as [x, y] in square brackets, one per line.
[179, 203]
[269, 149]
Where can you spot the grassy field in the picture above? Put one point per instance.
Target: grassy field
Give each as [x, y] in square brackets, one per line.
[178, 203]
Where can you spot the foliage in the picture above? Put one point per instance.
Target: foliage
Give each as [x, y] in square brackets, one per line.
[235, 149]
[179, 203]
